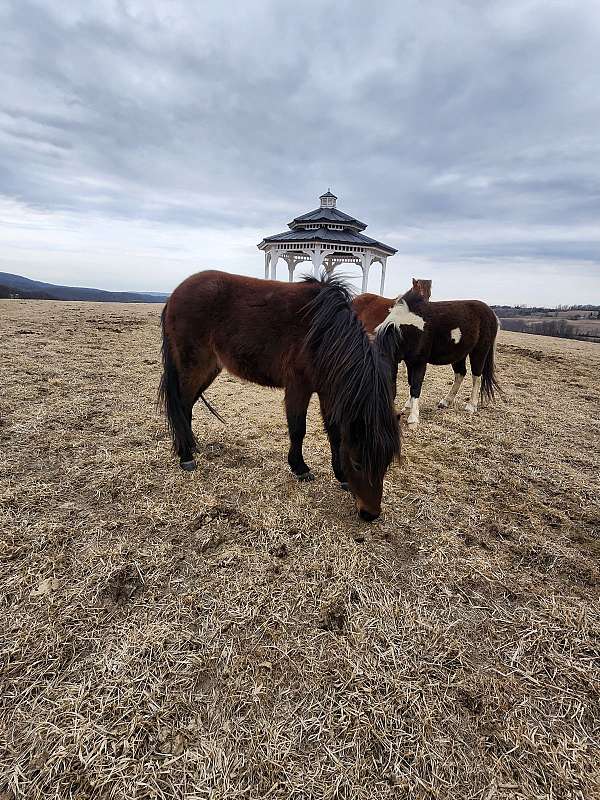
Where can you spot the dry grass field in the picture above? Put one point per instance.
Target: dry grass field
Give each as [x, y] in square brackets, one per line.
[231, 633]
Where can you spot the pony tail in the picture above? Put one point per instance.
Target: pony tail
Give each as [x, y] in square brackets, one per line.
[489, 383]
[169, 398]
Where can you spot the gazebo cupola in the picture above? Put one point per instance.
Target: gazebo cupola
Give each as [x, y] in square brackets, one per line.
[328, 199]
[326, 237]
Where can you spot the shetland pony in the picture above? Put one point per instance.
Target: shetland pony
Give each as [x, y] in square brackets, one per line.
[301, 337]
[421, 332]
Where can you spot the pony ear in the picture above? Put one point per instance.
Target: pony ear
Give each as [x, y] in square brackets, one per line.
[416, 287]
[422, 287]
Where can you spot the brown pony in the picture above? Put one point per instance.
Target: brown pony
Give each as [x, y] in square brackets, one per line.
[420, 333]
[372, 309]
[302, 337]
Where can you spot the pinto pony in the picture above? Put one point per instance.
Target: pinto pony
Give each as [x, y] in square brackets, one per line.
[302, 337]
[372, 309]
[420, 333]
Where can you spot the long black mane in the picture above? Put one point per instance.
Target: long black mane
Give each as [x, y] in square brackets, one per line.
[390, 343]
[354, 373]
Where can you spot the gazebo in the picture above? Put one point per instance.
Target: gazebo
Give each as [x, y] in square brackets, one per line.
[327, 237]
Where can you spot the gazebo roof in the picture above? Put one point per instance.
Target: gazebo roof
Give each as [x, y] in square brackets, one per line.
[331, 215]
[328, 224]
[322, 234]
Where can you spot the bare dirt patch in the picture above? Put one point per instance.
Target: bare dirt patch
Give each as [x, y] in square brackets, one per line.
[232, 633]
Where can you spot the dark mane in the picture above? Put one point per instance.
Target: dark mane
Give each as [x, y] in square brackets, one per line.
[355, 374]
[389, 342]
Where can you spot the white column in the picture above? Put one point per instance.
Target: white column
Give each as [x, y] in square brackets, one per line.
[366, 266]
[383, 261]
[317, 260]
[274, 260]
[291, 266]
[266, 264]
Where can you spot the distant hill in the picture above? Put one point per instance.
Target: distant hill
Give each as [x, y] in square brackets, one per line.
[18, 287]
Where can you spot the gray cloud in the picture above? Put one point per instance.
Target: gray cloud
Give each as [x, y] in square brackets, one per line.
[441, 119]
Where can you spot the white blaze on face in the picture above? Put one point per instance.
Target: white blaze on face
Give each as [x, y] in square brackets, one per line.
[400, 314]
[456, 335]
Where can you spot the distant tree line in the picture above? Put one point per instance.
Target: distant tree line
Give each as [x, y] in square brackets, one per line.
[558, 327]
[564, 312]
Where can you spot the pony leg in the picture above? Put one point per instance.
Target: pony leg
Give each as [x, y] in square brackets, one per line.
[473, 403]
[180, 386]
[417, 374]
[408, 405]
[394, 379]
[187, 462]
[333, 434]
[297, 399]
[477, 358]
[194, 384]
[460, 370]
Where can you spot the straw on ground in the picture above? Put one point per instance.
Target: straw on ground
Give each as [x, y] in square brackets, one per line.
[231, 633]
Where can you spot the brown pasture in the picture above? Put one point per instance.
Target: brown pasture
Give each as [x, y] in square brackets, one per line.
[231, 633]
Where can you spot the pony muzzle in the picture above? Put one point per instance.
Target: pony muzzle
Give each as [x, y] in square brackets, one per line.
[367, 515]
[368, 502]
[367, 510]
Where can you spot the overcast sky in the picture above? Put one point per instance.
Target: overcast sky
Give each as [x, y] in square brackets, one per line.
[141, 141]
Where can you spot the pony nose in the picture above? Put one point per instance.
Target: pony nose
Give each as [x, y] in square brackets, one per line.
[366, 515]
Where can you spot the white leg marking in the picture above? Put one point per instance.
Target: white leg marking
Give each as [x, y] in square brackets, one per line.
[456, 335]
[471, 406]
[408, 403]
[496, 336]
[449, 399]
[413, 417]
[400, 314]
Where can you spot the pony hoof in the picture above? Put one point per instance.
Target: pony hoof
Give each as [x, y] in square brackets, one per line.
[412, 423]
[344, 486]
[443, 404]
[188, 466]
[306, 476]
[470, 409]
